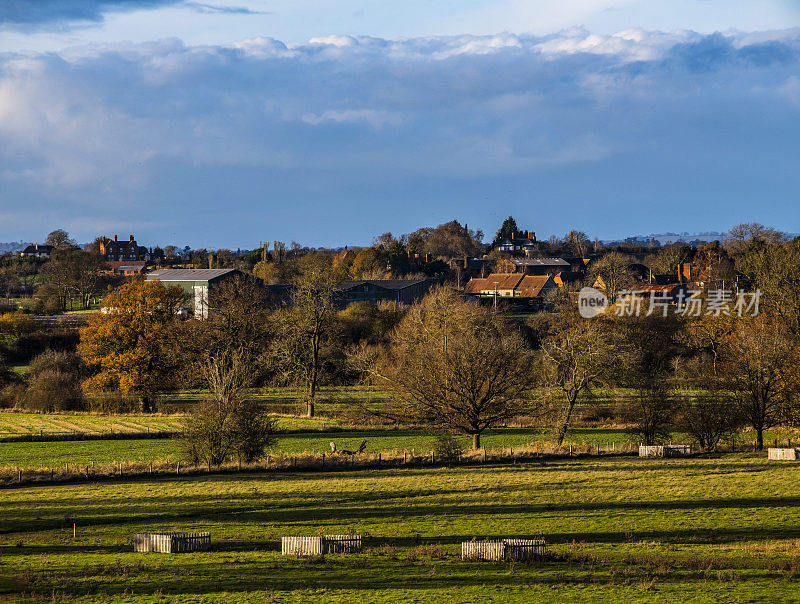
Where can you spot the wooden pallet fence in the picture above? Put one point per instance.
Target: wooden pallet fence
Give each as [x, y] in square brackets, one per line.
[664, 450]
[341, 544]
[319, 546]
[171, 543]
[783, 453]
[506, 549]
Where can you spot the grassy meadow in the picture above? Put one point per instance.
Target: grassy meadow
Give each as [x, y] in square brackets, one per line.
[713, 529]
[101, 452]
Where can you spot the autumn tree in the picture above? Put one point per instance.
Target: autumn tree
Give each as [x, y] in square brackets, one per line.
[577, 357]
[454, 365]
[128, 346]
[307, 326]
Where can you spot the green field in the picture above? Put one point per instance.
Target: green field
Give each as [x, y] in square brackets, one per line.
[621, 529]
[103, 452]
[310, 436]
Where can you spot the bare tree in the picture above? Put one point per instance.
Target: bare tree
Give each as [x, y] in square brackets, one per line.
[708, 417]
[455, 366]
[758, 365]
[305, 327]
[614, 272]
[577, 242]
[741, 235]
[577, 357]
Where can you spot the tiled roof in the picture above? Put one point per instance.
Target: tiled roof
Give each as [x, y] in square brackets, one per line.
[531, 285]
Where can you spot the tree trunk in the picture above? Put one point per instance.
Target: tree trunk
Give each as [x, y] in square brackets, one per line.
[144, 404]
[760, 438]
[566, 414]
[476, 441]
[309, 409]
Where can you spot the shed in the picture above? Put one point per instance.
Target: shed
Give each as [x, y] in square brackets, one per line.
[195, 281]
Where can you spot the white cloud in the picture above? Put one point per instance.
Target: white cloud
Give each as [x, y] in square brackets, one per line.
[376, 119]
[131, 121]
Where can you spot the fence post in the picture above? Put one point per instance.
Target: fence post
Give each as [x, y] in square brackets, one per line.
[484, 454]
[323, 461]
[178, 468]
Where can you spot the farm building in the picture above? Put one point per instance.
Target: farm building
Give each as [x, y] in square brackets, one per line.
[510, 285]
[195, 281]
[406, 291]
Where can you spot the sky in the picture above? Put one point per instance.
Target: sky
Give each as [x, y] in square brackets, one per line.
[231, 122]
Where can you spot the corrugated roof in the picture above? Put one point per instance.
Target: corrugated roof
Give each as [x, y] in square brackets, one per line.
[555, 262]
[394, 284]
[190, 274]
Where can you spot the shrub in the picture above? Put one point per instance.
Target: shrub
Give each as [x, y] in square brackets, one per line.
[447, 448]
[54, 391]
[13, 395]
[113, 402]
[55, 382]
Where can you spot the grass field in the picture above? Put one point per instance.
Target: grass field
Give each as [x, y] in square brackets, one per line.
[19, 423]
[101, 452]
[305, 436]
[623, 529]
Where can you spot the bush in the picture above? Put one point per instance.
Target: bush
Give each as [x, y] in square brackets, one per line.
[12, 396]
[57, 360]
[54, 391]
[55, 383]
[447, 448]
[218, 431]
[113, 402]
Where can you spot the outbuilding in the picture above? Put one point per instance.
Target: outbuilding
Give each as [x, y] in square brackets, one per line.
[196, 282]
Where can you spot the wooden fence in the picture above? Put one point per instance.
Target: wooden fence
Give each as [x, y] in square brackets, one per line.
[785, 454]
[319, 546]
[664, 450]
[171, 543]
[507, 549]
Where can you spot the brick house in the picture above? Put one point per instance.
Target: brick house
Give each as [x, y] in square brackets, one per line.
[113, 249]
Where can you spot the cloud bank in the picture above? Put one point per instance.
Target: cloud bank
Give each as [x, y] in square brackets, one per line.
[35, 14]
[340, 138]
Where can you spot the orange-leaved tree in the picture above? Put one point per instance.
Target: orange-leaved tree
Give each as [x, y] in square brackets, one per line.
[128, 346]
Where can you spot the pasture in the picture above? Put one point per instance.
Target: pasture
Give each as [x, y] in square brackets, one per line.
[101, 452]
[623, 529]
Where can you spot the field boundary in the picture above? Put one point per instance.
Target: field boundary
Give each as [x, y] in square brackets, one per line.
[304, 463]
[42, 436]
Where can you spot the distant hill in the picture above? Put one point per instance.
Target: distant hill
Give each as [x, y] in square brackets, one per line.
[13, 246]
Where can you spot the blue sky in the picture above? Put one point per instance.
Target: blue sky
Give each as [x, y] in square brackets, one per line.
[225, 123]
